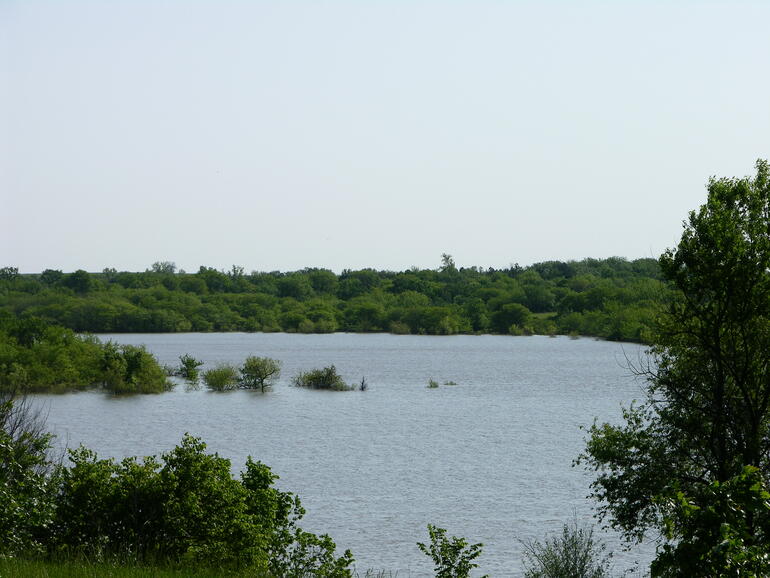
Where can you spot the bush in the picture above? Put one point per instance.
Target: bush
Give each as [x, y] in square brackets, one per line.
[326, 378]
[188, 367]
[131, 369]
[259, 372]
[574, 553]
[452, 558]
[223, 377]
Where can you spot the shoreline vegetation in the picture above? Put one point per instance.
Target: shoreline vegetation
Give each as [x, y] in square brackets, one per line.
[614, 299]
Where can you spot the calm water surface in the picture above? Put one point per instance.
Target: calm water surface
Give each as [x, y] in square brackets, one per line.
[489, 459]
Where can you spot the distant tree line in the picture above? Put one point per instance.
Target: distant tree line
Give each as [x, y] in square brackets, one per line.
[610, 298]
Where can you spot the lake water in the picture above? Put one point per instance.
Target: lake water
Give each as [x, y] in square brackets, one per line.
[489, 459]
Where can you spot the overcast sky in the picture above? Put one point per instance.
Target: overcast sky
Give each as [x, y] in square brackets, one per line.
[283, 135]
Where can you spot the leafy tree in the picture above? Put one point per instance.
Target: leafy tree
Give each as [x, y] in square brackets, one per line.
[452, 557]
[259, 372]
[8, 273]
[164, 267]
[25, 497]
[707, 413]
[51, 277]
[80, 281]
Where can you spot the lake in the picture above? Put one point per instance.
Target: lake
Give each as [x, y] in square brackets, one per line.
[489, 459]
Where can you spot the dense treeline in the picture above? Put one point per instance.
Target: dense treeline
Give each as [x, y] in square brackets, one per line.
[611, 298]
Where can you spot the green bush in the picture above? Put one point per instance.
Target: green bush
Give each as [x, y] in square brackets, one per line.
[452, 558]
[188, 367]
[131, 369]
[574, 553]
[326, 378]
[223, 377]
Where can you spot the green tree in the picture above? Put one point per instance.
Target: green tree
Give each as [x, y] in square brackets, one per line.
[707, 412]
[26, 504]
[452, 557]
[259, 372]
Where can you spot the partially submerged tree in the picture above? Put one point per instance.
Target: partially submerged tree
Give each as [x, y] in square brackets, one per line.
[707, 412]
[259, 372]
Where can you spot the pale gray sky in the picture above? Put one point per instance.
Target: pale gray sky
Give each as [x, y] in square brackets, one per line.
[282, 135]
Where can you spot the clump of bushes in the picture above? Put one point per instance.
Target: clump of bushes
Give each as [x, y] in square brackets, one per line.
[255, 373]
[326, 378]
[131, 369]
[432, 384]
[184, 508]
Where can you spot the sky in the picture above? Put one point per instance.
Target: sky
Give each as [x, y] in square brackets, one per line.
[284, 135]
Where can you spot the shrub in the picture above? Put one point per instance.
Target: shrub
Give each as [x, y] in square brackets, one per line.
[574, 553]
[188, 367]
[259, 372]
[131, 369]
[452, 558]
[326, 378]
[223, 377]
[432, 383]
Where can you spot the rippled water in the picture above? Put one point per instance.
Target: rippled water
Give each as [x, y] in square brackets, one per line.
[489, 459]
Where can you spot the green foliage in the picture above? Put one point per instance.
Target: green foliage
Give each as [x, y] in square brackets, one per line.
[432, 383]
[677, 465]
[186, 508]
[37, 356]
[259, 372]
[452, 557]
[725, 531]
[326, 378]
[131, 369]
[574, 554]
[223, 377]
[188, 367]
[611, 298]
[26, 504]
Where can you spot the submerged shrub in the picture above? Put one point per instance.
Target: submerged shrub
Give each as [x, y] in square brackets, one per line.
[223, 377]
[188, 367]
[326, 378]
[131, 369]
